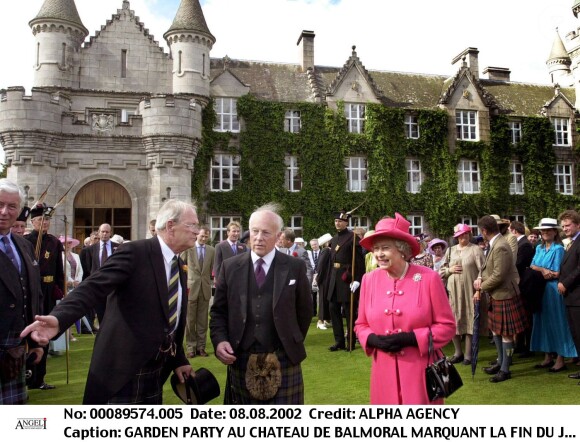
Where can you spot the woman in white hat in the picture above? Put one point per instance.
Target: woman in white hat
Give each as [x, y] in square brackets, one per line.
[550, 332]
[460, 268]
[400, 306]
[437, 248]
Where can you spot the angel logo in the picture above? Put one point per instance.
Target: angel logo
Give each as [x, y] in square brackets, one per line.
[25, 423]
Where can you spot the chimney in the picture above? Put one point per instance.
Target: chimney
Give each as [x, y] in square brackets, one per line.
[498, 74]
[306, 43]
[469, 57]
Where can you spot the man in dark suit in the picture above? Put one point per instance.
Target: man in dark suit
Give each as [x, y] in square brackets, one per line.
[20, 298]
[523, 260]
[230, 247]
[94, 257]
[291, 248]
[141, 338]
[499, 278]
[569, 283]
[260, 316]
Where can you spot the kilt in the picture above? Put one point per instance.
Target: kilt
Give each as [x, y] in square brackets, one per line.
[291, 391]
[507, 317]
[13, 392]
[145, 387]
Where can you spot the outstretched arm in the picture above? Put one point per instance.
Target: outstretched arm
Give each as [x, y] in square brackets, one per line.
[42, 330]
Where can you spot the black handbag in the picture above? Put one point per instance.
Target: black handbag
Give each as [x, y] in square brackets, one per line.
[441, 377]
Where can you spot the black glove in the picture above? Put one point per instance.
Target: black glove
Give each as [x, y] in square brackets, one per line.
[392, 343]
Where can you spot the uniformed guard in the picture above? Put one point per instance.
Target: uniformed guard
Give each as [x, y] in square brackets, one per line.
[48, 250]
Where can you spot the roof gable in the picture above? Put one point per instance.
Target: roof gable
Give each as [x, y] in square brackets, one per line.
[458, 86]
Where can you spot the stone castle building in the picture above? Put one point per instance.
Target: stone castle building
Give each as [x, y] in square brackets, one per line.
[118, 121]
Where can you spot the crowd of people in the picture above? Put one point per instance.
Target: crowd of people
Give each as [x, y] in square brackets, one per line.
[255, 294]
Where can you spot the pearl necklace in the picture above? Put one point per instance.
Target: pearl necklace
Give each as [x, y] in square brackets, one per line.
[403, 274]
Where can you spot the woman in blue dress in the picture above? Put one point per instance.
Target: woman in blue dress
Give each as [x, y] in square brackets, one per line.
[551, 333]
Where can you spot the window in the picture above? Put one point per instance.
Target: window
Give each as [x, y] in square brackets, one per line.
[292, 122]
[296, 225]
[466, 124]
[416, 226]
[468, 176]
[561, 131]
[471, 223]
[218, 226]
[360, 221]
[411, 126]
[292, 179]
[355, 115]
[123, 63]
[517, 179]
[518, 217]
[126, 113]
[414, 178]
[225, 172]
[515, 128]
[563, 173]
[227, 115]
[356, 174]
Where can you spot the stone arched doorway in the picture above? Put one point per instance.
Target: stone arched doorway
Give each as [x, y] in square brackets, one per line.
[99, 202]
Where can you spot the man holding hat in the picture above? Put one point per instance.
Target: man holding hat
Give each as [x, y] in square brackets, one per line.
[342, 280]
[51, 276]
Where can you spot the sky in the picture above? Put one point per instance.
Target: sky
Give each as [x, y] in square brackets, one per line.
[419, 36]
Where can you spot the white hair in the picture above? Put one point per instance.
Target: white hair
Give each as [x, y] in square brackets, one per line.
[275, 209]
[11, 187]
[172, 210]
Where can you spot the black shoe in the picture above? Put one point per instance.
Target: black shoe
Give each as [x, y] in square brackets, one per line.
[494, 369]
[558, 370]
[574, 375]
[45, 386]
[455, 359]
[500, 377]
[547, 365]
[353, 348]
[337, 347]
[466, 362]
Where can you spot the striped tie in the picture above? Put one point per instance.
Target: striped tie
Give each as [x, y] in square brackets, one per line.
[173, 286]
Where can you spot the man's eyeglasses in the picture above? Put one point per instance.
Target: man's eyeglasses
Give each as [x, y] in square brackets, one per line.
[191, 226]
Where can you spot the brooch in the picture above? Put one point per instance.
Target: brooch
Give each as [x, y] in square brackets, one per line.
[184, 268]
[417, 277]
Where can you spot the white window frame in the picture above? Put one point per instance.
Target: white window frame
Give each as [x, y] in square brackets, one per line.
[412, 127]
[355, 116]
[414, 175]
[468, 177]
[227, 115]
[417, 224]
[356, 174]
[564, 178]
[515, 128]
[297, 225]
[292, 121]
[517, 178]
[224, 167]
[360, 221]
[126, 114]
[561, 131]
[218, 226]
[464, 219]
[466, 124]
[292, 180]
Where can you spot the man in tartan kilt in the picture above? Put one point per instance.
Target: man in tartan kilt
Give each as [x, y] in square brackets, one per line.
[499, 279]
[260, 316]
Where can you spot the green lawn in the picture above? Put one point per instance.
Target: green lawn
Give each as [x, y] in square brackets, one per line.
[339, 378]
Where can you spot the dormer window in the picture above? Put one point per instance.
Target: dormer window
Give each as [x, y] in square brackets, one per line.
[355, 116]
[411, 127]
[466, 125]
[561, 131]
[292, 121]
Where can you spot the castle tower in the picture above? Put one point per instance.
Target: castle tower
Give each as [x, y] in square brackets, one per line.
[59, 34]
[190, 42]
[559, 63]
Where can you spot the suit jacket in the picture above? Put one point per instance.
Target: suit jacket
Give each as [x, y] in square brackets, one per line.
[91, 258]
[303, 255]
[292, 303]
[137, 319]
[10, 287]
[198, 277]
[223, 250]
[499, 274]
[570, 274]
[525, 255]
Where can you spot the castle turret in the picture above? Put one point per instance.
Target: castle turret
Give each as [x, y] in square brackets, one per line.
[59, 34]
[559, 63]
[190, 42]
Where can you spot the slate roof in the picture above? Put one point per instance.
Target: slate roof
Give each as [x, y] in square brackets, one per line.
[65, 10]
[189, 17]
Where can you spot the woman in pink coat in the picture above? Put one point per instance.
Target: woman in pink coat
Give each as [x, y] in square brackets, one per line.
[399, 304]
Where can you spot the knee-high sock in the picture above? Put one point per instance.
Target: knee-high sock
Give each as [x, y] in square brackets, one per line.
[508, 351]
[499, 348]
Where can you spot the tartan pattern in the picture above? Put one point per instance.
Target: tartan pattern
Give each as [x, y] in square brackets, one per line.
[173, 292]
[291, 391]
[507, 317]
[144, 388]
[13, 392]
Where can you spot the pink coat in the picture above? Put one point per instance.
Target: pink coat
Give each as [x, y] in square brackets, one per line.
[415, 303]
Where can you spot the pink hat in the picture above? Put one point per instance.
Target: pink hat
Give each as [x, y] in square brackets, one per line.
[460, 229]
[73, 241]
[394, 228]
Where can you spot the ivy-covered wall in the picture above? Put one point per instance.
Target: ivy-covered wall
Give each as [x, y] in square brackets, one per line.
[324, 142]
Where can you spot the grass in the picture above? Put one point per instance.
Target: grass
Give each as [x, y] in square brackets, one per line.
[339, 378]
